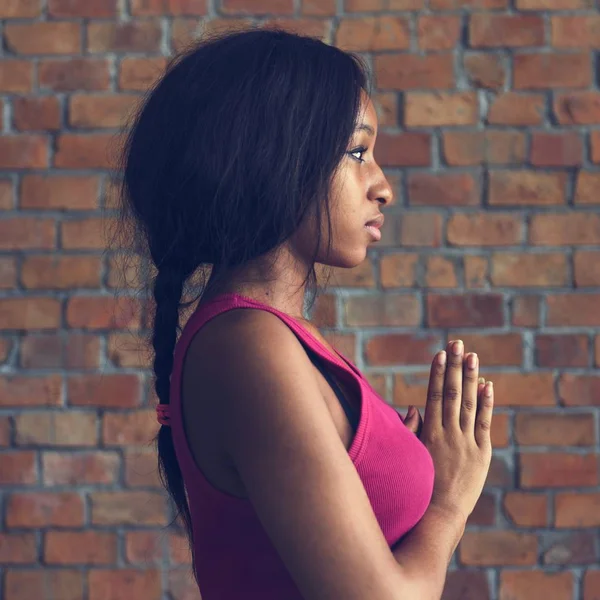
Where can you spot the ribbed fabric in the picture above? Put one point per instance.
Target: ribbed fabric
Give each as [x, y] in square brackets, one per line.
[234, 557]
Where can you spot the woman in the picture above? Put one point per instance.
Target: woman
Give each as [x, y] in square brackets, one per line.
[253, 157]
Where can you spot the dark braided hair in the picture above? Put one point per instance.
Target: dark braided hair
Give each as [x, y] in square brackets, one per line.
[230, 150]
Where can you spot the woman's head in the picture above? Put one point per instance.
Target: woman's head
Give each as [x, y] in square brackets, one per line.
[239, 152]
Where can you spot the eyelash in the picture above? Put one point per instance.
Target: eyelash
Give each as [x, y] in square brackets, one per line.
[361, 149]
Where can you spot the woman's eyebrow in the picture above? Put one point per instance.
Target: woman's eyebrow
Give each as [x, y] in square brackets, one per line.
[365, 127]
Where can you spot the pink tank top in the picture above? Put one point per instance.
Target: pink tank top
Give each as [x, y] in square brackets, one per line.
[233, 555]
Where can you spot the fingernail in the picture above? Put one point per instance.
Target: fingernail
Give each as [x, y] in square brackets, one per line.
[441, 359]
[457, 347]
[482, 380]
[472, 361]
[411, 411]
[488, 389]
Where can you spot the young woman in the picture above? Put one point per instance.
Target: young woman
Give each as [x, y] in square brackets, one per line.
[252, 157]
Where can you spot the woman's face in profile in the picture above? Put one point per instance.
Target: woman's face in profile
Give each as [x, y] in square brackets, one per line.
[359, 190]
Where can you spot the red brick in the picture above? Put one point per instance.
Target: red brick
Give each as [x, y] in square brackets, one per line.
[27, 233]
[513, 31]
[152, 8]
[441, 108]
[19, 390]
[398, 270]
[500, 430]
[587, 188]
[526, 311]
[408, 71]
[581, 31]
[143, 547]
[556, 149]
[468, 310]
[133, 36]
[126, 351]
[540, 71]
[86, 234]
[182, 585]
[440, 272]
[124, 584]
[139, 73]
[141, 467]
[258, 7]
[29, 313]
[44, 584]
[591, 584]
[484, 229]
[17, 548]
[568, 548]
[476, 271]
[443, 189]
[8, 273]
[491, 548]
[373, 34]
[106, 390]
[564, 229]
[36, 114]
[361, 276]
[512, 108]
[401, 348]
[7, 196]
[438, 32]
[16, 76]
[587, 269]
[493, 350]
[466, 148]
[80, 547]
[59, 192]
[468, 4]
[577, 108]
[526, 188]
[522, 585]
[23, 152]
[553, 4]
[421, 230]
[320, 8]
[595, 146]
[103, 312]
[82, 8]
[74, 74]
[101, 111]
[380, 5]
[5, 427]
[522, 389]
[47, 37]
[85, 151]
[132, 428]
[519, 269]
[13, 9]
[466, 585]
[485, 70]
[566, 350]
[546, 429]
[526, 509]
[179, 550]
[407, 149]
[18, 468]
[577, 509]
[555, 469]
[44, 509]
[71, 428]
[61, 272]
[69, 468]
[391, 310]
[127, 508]
[579, 390]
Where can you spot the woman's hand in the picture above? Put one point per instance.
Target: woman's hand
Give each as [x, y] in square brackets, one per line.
[414, 420]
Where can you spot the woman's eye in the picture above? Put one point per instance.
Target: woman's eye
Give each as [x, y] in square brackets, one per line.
[360, 150]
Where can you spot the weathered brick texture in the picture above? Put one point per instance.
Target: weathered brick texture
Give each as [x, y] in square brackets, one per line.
[489, 116]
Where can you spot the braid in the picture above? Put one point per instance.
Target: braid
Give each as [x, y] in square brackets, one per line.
[168, 287]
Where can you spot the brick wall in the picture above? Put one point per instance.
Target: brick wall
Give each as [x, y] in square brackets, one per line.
[489, 132]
